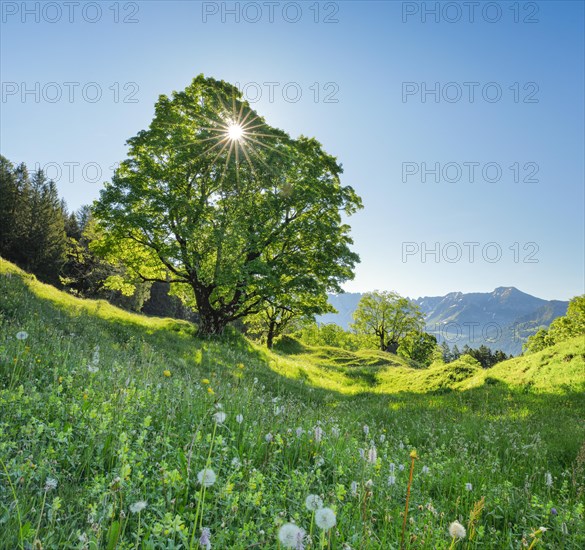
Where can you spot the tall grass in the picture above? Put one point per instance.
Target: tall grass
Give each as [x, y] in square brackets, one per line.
[85, 401]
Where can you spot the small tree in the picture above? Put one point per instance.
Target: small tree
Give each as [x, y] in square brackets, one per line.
[388, 316]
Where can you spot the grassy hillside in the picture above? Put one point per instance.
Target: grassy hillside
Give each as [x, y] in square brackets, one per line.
[102, 411]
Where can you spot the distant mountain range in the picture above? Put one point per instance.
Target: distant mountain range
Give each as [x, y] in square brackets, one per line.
[501, 319]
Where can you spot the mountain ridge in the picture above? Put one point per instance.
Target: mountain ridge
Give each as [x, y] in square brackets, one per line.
[500, 319]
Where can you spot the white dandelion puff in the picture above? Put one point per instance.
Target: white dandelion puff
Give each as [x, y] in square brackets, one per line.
[239, 418]
[22, 335]
[206, 477]
[290, 535]
[366, 429]
[50, 484]
[313, 502]
[456, 530]
[392, 467]
[325, 518]
[425, 470]
[468, 487]
[137, 507]
[268, 437]
[219, 417]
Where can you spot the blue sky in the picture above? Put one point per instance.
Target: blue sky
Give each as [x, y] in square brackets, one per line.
[360, 77]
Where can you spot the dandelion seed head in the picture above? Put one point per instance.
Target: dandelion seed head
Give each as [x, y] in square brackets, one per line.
[325, 518]
[289, 535]
[456, 530]
[239, 418]
[206, 477]
[219, 417]
[50, 484]
[313, 502]
[137, 507]
[468, 487]
[21, 335]
[268, 437]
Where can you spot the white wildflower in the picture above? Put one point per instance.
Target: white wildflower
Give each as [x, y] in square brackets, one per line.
[372, 455]
[548, 480]
[354, 488]
[268, 437]
[318, 434]
[205, 539]
[239, 418]
[468, 487]
[391, 480]
[366, 429]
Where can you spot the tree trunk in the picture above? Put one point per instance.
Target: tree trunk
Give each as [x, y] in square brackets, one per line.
[211, 321]
[270, 335]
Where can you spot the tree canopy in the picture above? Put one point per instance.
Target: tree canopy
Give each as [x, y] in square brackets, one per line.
[233, 213]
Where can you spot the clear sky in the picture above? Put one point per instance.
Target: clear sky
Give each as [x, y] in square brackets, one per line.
[505, 123]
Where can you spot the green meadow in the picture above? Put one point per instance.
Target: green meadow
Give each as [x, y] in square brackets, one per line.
[124, 431]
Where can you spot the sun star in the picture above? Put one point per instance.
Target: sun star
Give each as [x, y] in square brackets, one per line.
[235, 132]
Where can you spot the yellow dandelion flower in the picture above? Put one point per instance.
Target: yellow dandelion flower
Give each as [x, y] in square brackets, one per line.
[210, 391]
[205, 381]
[240, 366]
[167, 373]
[413, 454]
